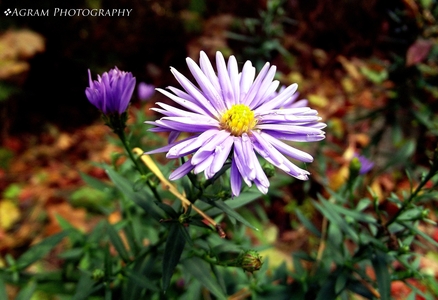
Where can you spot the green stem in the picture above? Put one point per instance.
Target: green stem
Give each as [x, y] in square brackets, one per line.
[121, 134]
[210, 260]
[216, 176]
[432, 172]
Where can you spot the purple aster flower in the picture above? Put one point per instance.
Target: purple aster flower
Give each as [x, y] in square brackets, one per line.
[235, 115]
[365, 164]
[145, 91]
[112, 92]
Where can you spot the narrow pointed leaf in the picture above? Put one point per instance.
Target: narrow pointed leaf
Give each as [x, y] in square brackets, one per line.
[142, 197]
[85, 287]
[381, 266]
[27, 291]
[167, 209]
[334, 217]
[306, 222]
[40, 250]
[231, 212]
[3, 293]
[200, 270]
[117, 243]
[420, 233]
[93, 182]
[172, 252]
[142, 281]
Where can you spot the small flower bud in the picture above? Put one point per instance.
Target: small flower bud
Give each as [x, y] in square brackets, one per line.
[404, 249]
[424, 213]
[250, 261]
[269, 170]
[355, 166]
[224, 195]
[98, 274]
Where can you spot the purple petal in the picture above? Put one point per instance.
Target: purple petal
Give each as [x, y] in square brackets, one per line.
[295, 137]
[266, 150]
[206, 86]
[184, 102]
[286, 128]
[279, 100]
[201, 166]
[191, 145]
[261, 96]
[240, 164]
[233, 74]
[208, 70]
[221, 154]
[287, 150]
[173, 135]
[224, 81]
[171, 125]
[235, 179]
[193, 91]
[253, 90]
[246, 79]
[169, 146]
[182, 170]
[208, 148]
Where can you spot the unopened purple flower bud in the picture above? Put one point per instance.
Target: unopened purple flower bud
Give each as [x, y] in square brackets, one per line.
[145, 91]
[111, 92]
[365, 164]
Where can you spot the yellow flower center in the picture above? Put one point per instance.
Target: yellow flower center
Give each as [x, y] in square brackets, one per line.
[238, 119]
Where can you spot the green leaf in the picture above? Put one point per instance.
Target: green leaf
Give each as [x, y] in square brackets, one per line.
[85, 287]
[341, 281]
[117, 243]
[3, 293]
[172, 252]
[201, 271]
[108, 264]
[420, 233]
[230, 212]
[237, 202]
[333, 216]
[74, 253]
[142, 197]
[167, 209]
[359, 216]
[327, 290]
[376, 76]
[220, 279]
[26, 292]
[298, 267]
[142, 281]
[93, 182]
[357, 287]
[381, 266]
[187, 236]
[40, 250]
[108, 293]
[306, 222]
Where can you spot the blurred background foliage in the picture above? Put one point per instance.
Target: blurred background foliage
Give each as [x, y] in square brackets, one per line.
[159, 34]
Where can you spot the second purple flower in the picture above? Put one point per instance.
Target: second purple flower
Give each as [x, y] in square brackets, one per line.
[111, 92]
